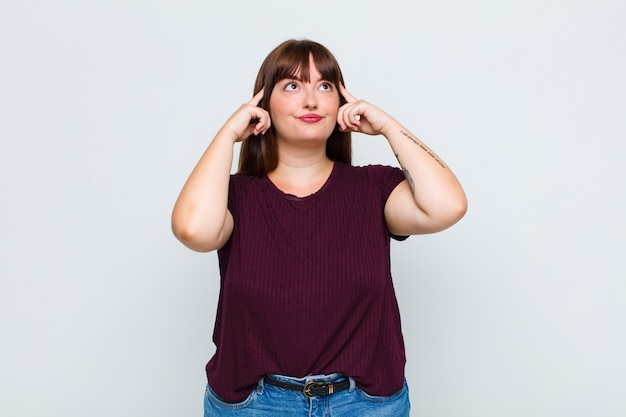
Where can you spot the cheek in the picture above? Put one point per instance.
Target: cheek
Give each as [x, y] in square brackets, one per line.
[333, 112]
[278, 107]
[333, 104]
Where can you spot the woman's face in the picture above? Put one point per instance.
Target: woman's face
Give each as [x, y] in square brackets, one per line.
[304, 111]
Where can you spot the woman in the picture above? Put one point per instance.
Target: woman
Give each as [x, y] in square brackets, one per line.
[307, 318]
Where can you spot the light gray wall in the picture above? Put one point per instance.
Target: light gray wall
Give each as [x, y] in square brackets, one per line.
[106, 106]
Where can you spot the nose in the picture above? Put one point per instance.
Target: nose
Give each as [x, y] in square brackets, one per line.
[310, 97]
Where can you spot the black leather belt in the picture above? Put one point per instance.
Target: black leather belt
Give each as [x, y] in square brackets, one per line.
[311, 388]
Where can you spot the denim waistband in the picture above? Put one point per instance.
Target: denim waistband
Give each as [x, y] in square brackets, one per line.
[336, 377]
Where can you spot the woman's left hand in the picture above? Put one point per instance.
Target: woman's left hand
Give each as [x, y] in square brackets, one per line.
[360, 116]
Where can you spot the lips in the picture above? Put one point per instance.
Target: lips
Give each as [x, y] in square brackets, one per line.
[310, 118]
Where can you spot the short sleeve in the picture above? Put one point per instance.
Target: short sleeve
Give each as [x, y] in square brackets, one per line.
[386, 179]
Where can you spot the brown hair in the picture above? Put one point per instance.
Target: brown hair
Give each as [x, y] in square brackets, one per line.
[259, 154]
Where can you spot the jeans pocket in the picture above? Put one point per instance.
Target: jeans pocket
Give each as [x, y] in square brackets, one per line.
[403, 392]
[212, 399]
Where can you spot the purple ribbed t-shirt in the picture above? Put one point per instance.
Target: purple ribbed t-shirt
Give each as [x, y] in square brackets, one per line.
[306, 285]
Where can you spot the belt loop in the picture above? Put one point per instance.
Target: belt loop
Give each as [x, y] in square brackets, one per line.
[260, 387]
[352, 384]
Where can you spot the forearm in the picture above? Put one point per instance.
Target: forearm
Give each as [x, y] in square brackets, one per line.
[200, 215]
[435, 188]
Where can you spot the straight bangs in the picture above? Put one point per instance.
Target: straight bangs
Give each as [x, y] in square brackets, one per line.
[294, 63]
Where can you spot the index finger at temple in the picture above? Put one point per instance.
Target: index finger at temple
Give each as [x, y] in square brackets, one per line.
[257, 98]
[349, 97]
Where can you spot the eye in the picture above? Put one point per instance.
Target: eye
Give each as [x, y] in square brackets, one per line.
[326, 86]
[291, 86]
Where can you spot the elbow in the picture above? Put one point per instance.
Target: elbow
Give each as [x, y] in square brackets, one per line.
[456, 207]
[454, 212]
[460, 208]
[192, 238]
[446, 216]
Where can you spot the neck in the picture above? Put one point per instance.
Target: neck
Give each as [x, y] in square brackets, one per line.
[300, 173]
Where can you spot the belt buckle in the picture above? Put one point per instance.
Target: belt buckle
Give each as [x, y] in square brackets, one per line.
[309, 385]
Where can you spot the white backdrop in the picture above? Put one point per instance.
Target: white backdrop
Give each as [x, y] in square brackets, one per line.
[105, 107]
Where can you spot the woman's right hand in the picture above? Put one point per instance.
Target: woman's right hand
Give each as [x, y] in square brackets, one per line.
[249, 119]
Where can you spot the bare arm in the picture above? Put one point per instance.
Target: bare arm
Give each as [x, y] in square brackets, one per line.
[431, 198]
[200, 219]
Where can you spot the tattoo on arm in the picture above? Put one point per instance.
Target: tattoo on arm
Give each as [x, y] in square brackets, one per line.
[407, 175]
[409, 179]
[425, 149]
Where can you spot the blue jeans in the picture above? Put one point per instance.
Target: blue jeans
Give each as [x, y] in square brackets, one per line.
[270, 401]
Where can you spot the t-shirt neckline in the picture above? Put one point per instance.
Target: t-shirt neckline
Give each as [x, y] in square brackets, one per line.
[293, 197]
